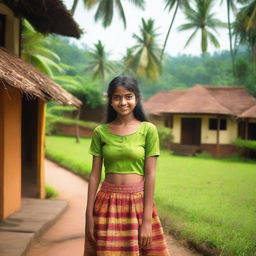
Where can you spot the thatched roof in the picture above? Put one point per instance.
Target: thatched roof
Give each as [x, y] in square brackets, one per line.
[46, 16]
[249, 113]
[19, 74]
[225, 100]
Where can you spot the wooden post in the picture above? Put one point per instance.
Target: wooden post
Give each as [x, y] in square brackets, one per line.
[77, 125]
[246, 138]
[218, 137]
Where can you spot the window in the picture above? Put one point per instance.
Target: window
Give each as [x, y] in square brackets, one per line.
[168, 121]
[2, 30]
[213, 124]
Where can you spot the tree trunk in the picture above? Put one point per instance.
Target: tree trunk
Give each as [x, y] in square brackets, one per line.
[230, 40]
[73, 9]
[169, 30]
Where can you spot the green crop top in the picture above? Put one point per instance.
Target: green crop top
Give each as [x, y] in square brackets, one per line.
[125, 153]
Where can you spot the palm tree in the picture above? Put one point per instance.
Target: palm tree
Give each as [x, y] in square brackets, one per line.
[201, 19]
[170, 4]
[35, 52]
[231, 6]
[129, 65]
[99, 64]
[146, 52]
[105, 9]
[245, 27]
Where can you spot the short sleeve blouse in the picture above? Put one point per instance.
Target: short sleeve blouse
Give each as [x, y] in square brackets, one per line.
[125, 153]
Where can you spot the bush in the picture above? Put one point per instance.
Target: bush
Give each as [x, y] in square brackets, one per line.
[50, 192]
[250, 144]
[165, 137]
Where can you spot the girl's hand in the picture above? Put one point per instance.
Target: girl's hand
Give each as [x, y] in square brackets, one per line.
[89, 230]
[145, 234]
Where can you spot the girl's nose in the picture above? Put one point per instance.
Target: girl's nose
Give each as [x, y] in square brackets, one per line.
[123, 101]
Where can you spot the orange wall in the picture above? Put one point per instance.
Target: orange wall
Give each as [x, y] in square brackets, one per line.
[10, 148]
[41, 148]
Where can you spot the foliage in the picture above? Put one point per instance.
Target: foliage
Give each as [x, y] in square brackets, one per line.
[250, 144]
[245, 27]
[202, 20]
[36, 53]
[99, 64]
[50, 192]
[145, 54]
[165, 137]
[105, 9]
[56, 115]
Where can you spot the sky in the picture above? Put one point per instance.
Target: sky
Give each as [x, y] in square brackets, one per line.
[116, 39]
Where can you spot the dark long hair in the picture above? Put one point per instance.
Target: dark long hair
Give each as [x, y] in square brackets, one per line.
[131, 85]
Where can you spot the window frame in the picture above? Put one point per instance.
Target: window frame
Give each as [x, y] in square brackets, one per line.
[213, 123]
[2, 29]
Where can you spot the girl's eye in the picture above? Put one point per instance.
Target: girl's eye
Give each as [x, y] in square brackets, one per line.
[116, 97]
[129, 96]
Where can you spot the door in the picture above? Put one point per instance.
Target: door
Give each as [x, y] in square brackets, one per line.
[191, 131]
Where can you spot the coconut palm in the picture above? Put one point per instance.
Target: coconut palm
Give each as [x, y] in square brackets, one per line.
[105, 9]
[35, 52]
[245, 27]
[202, 20]
[129, 65]
[169, 4]
[146, 52]
[99, 64]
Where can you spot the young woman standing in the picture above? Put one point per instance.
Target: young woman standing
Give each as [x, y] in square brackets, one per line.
[122, 219]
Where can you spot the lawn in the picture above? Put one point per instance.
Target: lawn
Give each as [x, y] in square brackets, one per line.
[204, 200]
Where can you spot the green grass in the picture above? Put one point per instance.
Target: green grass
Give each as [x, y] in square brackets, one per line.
[204, 200]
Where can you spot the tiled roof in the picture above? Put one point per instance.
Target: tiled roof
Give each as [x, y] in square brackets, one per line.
[200, 99]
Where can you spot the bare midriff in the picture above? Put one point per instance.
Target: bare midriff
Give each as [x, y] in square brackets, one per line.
[123, 179]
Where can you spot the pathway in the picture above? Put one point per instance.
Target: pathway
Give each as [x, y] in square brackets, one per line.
[66, 236]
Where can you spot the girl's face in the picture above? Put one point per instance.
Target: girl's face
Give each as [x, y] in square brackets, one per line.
[123, 101]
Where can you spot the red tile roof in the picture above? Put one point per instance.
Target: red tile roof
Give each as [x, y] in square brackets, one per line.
[249, 113]
[200, 99]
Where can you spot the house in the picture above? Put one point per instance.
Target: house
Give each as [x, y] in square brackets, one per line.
[24, 91]
[205, 118]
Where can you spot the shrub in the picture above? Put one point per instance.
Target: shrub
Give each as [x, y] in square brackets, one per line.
[165, 137]
[250, 144]
[50, 192]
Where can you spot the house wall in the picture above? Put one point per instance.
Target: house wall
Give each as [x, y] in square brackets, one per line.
[41, 148]
[10, 151]
[226, 136]
[207, 136]
[12, 31]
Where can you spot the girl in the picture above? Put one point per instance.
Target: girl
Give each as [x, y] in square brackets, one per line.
[122, 219]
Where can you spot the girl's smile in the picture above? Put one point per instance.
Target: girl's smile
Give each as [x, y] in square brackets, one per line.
[123, 101]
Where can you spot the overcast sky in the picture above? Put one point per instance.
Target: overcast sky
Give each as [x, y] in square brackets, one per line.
[116, 39]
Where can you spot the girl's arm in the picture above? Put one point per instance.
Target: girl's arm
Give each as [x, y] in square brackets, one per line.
[149, 186]
[94, 181]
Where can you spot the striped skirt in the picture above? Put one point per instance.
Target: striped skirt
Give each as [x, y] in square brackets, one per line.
[117, 213]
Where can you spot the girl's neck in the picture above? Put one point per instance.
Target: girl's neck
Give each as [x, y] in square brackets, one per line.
[125, 120]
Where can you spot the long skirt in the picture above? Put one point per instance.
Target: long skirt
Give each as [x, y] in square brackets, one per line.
[117, 213]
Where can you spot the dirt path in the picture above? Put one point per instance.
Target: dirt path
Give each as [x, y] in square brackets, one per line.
[66, 236]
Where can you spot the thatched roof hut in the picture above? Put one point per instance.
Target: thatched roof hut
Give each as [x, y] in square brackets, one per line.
[21, 75]
[46, 16]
